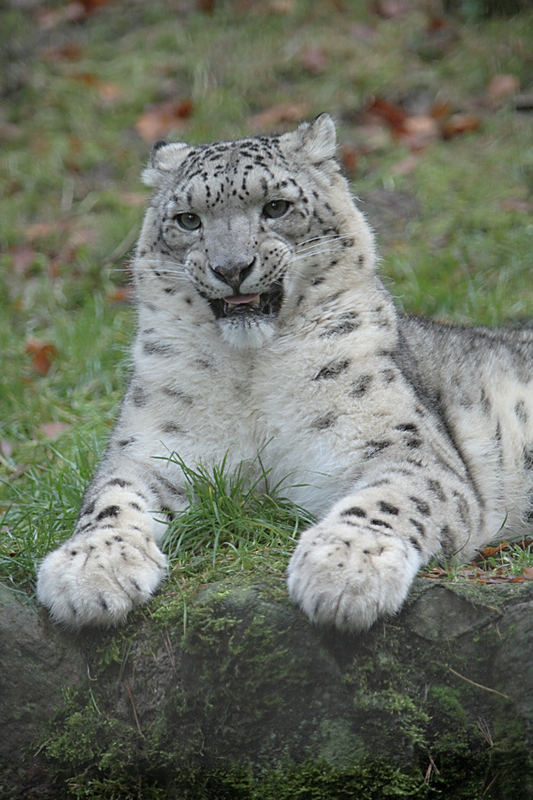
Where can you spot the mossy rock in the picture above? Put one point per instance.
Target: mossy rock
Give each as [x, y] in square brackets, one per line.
[233, 694]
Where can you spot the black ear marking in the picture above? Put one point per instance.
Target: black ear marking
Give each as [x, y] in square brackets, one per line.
[155, 147]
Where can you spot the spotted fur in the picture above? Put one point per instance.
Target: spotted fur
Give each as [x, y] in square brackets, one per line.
[262, 326]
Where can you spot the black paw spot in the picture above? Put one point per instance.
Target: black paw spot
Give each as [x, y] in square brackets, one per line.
[418, 525]
[109, 511]
[354, 511]
[118, 482]
[361, 385]
[421, 506]
[332, 370]
[380, 523]
[388, 508]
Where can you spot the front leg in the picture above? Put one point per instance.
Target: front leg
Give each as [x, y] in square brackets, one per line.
[112, 562]
[358, 563]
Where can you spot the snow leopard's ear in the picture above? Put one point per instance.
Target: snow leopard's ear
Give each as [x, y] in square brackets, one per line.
[163, 159]
[315, 141]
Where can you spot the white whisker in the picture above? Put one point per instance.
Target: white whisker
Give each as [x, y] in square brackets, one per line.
[325, 238]
[312, 253]
[157, 261]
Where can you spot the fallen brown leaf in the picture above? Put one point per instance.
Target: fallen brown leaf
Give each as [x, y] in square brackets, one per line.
[206, 6]
[406, 165]
[314, 59]
[523, 206]
[280, 6]
[436, 22]
[157, 121]
[109, 93]
[419, 130]
[362, 32]
[88, 79]
[67, 52]
[348, 158]
[460, 123]
[390, 9]
[372, 137]
[441, 109]
[488, 552]
[22, 258]
[9, 132]
[500, 87]
[40, 230]
[278, 115]
[53, 429]
[42, 354]
[435, 572]
[6, 448]
[132, 198]
[121, 294]
[49, 18]
[91, 6]
[415, 130]
[390, 113]
[76, 11]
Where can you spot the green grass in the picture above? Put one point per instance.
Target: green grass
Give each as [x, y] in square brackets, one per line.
[72, 203]
[233, 521]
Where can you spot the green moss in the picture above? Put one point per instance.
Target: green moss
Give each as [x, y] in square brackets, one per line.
[88, 748]
[312, 781]
[252, 703]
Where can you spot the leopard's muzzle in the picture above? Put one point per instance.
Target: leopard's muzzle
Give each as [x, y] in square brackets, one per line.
[247, 307]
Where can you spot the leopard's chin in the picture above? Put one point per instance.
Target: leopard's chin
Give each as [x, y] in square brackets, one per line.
[248, 332]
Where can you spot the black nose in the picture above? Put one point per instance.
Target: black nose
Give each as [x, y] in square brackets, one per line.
[234, 273]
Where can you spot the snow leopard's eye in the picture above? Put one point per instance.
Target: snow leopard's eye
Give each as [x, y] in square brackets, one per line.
[276, 208]
[189, 222]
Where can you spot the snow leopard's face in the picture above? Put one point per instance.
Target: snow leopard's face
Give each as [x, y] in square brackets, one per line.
[241, 220]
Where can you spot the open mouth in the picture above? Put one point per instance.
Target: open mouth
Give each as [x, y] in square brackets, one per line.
[249, 306]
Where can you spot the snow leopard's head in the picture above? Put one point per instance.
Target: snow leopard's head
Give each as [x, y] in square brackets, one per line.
[248, 223]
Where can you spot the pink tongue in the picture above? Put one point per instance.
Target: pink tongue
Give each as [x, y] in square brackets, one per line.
[240, 299]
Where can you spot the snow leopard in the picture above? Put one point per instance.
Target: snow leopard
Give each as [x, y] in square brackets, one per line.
[262, 326]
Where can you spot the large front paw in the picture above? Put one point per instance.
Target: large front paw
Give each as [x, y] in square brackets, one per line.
[98, 578]
[347, 576]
